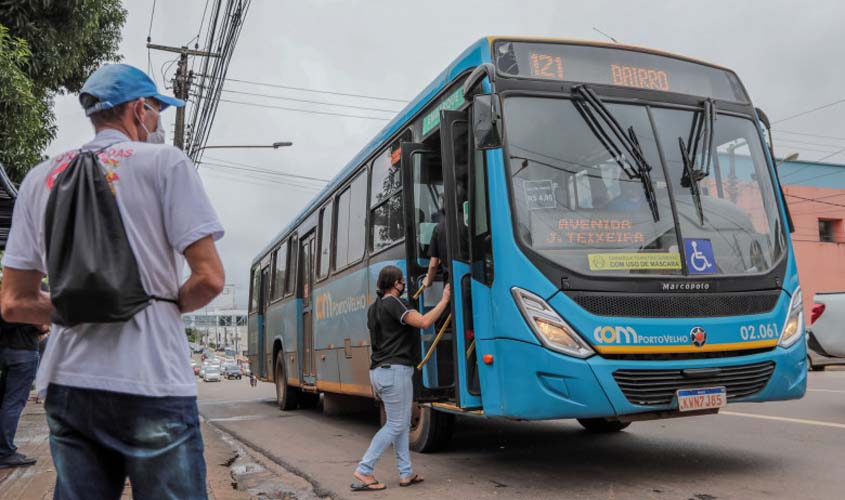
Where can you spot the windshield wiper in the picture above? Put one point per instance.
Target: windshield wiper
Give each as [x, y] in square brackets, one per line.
[690, 173]
[600, 120]
[701, 131]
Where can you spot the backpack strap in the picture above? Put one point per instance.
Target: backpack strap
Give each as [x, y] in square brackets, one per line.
[162, 299]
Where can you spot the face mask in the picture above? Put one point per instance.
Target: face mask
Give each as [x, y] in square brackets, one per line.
[156, 137]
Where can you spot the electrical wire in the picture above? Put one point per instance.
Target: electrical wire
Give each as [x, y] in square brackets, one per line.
[310, 101]
[809, 135]
[824, 106]
[311, 111]
[264, 170]
[149, 35]
[303, 89]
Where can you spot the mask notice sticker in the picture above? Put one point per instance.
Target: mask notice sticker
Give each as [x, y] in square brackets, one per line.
[634, 261]
[699, 256]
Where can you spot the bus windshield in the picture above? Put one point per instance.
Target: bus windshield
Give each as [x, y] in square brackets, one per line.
[578, 202]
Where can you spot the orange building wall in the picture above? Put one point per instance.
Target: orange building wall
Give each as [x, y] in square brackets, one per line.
[821, 266]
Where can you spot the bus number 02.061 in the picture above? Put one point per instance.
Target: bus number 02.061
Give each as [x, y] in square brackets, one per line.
[762, 332]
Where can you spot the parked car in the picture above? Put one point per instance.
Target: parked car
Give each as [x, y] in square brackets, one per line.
[826, 331]
[231, 371]
[212, 374]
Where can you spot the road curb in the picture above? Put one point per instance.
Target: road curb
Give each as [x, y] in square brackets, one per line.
[261, 473]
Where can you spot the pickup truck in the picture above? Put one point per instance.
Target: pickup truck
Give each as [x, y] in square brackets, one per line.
[826, 331]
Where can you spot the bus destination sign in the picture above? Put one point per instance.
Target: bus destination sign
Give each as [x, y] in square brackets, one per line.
[615, 66]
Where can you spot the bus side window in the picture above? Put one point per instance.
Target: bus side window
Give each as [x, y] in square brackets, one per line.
[482, 240]
[428, 185]
[290, 278]
[280, 262]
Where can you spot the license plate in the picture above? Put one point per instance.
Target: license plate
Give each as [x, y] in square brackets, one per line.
[702, 399]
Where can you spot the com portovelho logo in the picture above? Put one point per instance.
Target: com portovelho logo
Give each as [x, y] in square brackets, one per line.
[616, 335]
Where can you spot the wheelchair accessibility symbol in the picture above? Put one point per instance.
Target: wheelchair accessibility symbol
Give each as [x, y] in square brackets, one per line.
[700, 256]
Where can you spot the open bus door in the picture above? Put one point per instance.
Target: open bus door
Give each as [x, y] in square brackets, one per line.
[454, 144]
[421, 186]
[306, 332]
[263, 301]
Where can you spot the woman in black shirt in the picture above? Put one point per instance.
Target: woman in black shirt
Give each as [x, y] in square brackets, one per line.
[393, 326]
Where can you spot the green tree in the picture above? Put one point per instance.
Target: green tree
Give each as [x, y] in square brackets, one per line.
[26, 127]
[55, 44]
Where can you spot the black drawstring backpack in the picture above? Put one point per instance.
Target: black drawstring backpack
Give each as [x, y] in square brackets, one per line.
[94, 277]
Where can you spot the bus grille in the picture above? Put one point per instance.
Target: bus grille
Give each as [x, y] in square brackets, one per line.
[657, 387]
[692, 305]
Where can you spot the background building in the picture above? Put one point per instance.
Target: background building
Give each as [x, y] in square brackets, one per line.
[221, 323]
[815, 193]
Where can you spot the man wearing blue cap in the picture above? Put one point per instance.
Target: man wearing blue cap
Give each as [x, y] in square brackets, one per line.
[121, 397]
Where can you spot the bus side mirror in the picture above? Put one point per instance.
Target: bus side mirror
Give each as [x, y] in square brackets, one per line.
[485, 121]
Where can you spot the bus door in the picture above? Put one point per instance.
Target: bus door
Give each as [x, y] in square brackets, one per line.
[263, 301]
[306, 285]
[454, 145]
[422, 184]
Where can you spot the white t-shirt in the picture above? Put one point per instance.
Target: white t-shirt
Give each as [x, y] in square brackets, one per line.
[164, 209]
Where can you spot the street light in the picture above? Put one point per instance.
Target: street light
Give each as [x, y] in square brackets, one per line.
[275, 145]
[792, 157]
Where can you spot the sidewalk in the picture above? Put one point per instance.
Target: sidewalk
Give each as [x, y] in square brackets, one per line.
[36, 482]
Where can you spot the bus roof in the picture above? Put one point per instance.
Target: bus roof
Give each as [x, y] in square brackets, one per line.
[476, 54]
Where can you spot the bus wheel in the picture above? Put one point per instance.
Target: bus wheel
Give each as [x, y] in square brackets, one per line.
[602, 425]
[431, 430]
[287, 397]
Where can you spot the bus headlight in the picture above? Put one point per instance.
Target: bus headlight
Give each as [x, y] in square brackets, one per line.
[793, 328]
[552, 331]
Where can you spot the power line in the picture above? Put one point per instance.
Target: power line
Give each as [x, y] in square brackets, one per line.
[288, 87]
[272, 172]
[816, 200]
[265, 180]
[793, 141]
[834, 103]
[310, 102]
[831, 154]
[305, 110]
[149, 34]
[809, 135]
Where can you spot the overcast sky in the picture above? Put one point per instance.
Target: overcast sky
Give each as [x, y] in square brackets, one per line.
[788, 55]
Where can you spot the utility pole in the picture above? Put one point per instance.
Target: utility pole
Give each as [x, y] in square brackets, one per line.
[181, 84]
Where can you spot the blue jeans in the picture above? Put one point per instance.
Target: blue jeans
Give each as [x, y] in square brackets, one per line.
[18, 367]
[395, 388]
[98, 438]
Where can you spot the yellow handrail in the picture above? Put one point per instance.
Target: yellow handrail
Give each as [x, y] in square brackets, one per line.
[471, 348]
[419, 291]
[434, 344]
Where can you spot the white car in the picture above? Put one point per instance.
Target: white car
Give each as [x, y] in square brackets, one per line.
[212, 374]
[825, 333]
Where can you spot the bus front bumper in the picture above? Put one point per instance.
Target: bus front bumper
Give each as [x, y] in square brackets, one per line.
[530, 382]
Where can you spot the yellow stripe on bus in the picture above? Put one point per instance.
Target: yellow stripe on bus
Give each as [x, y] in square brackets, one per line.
[670, 349]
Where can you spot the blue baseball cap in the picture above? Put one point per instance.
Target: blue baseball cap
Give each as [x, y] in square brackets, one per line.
[115, 84]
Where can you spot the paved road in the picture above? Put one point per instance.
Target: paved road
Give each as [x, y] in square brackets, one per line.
[789, 450]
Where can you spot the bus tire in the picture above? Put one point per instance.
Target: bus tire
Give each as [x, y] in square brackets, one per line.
[602, 425]
[287, 397]
[431, 430]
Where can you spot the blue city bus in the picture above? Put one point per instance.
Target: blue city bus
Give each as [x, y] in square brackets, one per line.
[619, 246]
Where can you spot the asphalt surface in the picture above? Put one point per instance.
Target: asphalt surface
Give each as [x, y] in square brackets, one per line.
[789, 450]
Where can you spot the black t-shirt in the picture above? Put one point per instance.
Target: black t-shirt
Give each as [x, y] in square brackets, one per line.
[18, 336]
[438, 246]
[392, 340]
